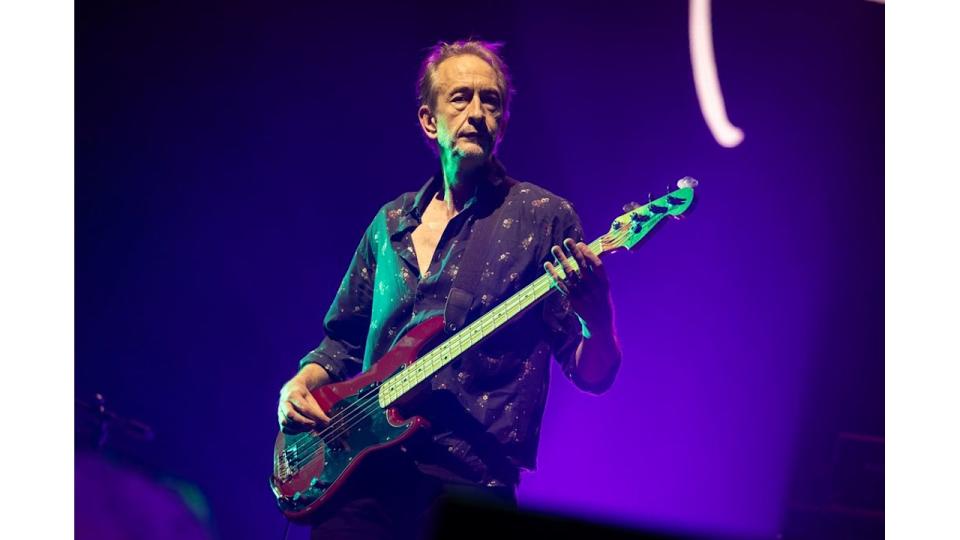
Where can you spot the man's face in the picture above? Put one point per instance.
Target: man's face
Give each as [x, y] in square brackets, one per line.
[466, 120]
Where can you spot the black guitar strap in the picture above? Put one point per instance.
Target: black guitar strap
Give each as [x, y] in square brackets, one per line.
[474, 258]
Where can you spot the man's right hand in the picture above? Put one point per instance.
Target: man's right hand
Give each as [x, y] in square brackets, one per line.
[298, 410]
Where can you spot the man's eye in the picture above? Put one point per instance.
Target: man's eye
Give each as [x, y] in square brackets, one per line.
[491, 100]
[458, 98]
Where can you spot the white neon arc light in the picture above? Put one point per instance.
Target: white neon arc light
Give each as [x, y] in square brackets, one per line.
[705, 77]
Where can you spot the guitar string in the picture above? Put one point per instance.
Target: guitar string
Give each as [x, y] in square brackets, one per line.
[361, 409]
[364, 407]
[461, 341]
[364, 411]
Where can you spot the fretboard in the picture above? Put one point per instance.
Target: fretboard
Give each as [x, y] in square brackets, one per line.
[475, 332]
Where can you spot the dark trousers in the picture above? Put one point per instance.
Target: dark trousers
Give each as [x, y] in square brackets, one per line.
[396, 501]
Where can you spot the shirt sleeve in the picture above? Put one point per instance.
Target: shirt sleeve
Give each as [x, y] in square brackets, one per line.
[348, 320]
[563, 324]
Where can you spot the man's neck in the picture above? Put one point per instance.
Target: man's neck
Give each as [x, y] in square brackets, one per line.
[460, 182]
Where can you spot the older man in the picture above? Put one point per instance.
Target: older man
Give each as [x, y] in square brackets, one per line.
[486, 407]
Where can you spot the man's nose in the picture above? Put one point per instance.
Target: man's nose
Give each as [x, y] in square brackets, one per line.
[475, 109]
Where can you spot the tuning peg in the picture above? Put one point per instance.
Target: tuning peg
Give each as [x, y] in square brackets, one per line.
[687, 182]
[631, 206]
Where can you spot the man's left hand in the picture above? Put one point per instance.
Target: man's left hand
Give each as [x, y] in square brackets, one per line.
[584, 283]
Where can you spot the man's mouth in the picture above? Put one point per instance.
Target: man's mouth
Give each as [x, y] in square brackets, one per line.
[474, 138]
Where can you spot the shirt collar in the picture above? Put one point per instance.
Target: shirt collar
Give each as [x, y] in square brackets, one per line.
[426, 194]
[489, 196]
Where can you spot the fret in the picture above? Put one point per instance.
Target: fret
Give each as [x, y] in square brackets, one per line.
[472, 334]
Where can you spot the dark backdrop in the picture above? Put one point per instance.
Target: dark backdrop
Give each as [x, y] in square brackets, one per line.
[229, 155]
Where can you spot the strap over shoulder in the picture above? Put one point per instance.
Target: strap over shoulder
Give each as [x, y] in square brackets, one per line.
[466, 283]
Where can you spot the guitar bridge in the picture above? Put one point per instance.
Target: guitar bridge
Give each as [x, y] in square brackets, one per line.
[287, 463]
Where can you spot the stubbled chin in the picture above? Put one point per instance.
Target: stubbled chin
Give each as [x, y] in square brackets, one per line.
[471, 150]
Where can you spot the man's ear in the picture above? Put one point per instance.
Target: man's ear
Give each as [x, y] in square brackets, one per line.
[428, 122]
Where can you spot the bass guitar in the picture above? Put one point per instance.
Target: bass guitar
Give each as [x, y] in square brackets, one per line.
[310, 468]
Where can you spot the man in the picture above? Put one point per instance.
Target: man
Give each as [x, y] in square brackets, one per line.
[485, 408]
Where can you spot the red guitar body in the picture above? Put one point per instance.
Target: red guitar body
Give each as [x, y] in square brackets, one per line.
[310, 468]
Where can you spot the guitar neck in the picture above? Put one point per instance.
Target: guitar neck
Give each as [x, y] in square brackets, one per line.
[425, 366]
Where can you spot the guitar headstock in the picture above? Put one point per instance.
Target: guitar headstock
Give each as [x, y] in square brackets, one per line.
[628, 229]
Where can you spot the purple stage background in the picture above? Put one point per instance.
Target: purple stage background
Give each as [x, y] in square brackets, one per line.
[229, 158]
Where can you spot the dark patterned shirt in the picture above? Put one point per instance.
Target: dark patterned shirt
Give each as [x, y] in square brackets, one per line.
[485, 407]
